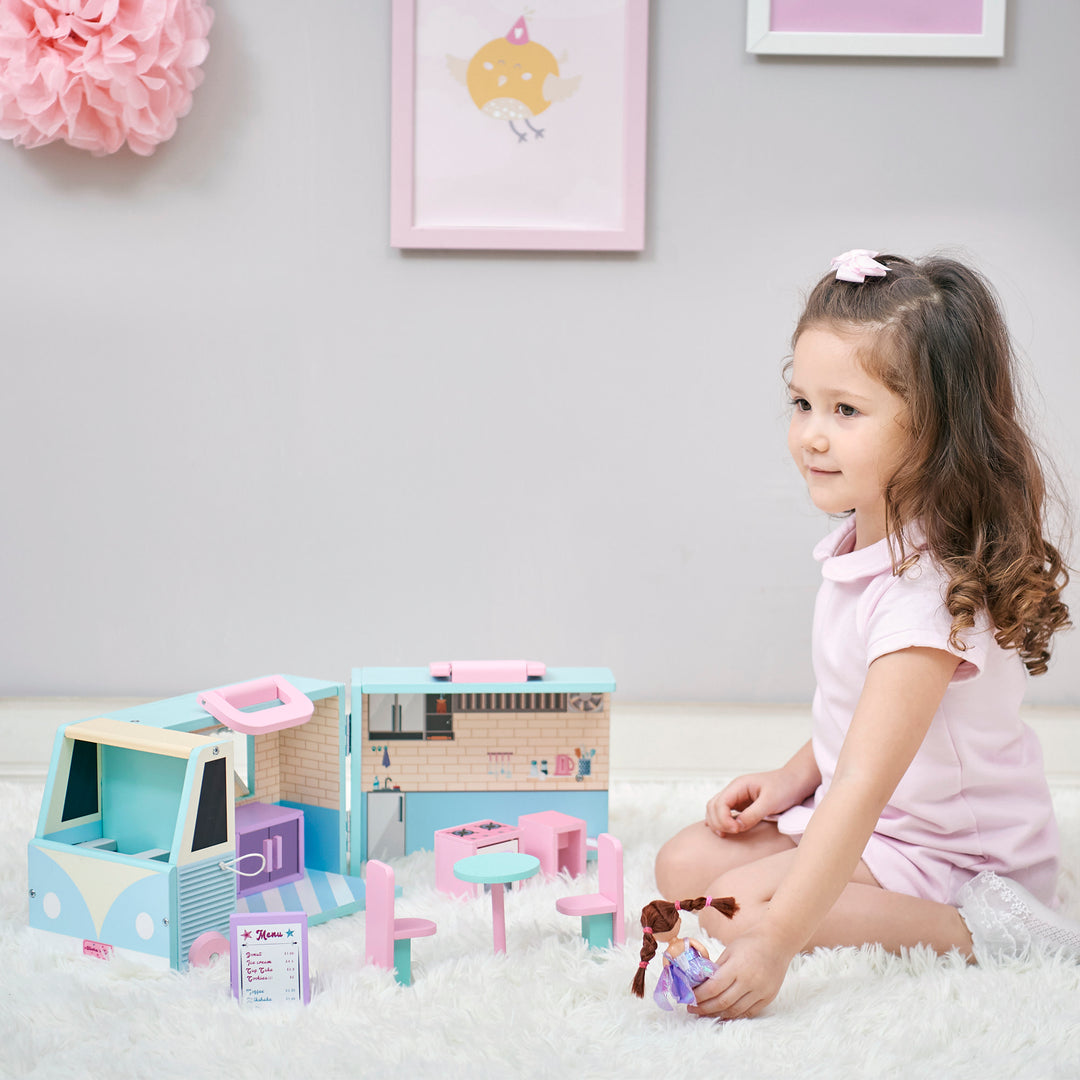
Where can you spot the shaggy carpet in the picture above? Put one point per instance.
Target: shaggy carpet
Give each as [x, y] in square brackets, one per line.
[549, 1007]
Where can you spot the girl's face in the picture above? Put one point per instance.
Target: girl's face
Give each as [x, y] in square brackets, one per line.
[848, 431]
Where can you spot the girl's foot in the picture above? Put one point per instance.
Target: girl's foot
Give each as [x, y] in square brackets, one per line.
[1007, 922]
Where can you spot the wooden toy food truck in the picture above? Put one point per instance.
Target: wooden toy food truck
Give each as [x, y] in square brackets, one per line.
[159, 822]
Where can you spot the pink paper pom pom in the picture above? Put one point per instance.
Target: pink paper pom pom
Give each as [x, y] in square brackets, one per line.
[98, 72]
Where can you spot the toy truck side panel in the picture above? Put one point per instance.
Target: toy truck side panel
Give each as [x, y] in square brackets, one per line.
[135, 825]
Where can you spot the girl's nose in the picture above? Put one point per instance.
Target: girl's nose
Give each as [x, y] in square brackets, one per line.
[815, 439]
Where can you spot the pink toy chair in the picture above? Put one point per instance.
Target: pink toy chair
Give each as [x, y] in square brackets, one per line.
[557, 840]
[602, 914]
[388, 941]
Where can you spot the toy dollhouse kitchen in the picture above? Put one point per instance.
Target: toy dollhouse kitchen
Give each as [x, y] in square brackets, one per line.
[481, 741]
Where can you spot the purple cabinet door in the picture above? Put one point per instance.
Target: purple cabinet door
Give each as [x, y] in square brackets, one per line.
[285, 842]
[251, 843]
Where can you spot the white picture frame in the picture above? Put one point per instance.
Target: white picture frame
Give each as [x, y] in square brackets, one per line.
[762, 39]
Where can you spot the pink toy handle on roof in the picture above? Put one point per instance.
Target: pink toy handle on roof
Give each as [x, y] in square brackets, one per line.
[482, 671]
[224, 705]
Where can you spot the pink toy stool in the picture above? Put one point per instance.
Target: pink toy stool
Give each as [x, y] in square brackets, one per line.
[557, 840]
[461, 841]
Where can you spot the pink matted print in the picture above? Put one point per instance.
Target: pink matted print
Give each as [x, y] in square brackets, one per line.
[967, 29]
[518, 131]
[877, 16]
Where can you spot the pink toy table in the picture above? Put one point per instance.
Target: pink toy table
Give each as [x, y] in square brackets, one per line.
[497, 869]
[557, 840]
[470, 839]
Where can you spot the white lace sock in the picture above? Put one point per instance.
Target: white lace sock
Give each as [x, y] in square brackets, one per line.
[1006, 921]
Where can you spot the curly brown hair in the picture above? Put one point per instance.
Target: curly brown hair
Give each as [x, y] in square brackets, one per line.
[972, 482]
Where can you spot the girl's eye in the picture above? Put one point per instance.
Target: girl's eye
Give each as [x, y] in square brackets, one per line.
[847, 410]
[800, 404]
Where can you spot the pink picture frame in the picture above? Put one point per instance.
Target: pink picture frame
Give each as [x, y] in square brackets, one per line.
[518, 133]
[956, 28]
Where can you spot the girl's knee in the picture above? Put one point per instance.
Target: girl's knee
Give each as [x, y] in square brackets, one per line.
[670, 869]
[739, 884]
[679, 863]
[726, 929]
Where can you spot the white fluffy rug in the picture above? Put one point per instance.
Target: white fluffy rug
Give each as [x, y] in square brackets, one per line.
[547, 1008]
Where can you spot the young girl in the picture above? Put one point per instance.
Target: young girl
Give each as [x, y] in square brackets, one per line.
[919, 812]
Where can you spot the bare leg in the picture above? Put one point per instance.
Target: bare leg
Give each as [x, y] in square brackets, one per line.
[863, 913]
[695, 857]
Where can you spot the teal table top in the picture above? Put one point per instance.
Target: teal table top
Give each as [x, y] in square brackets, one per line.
[496, 867]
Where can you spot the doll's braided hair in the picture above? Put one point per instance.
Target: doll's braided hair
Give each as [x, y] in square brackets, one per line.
[659, 916]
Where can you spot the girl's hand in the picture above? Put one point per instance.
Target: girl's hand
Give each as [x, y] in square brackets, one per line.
[749, 799]
[749, 974]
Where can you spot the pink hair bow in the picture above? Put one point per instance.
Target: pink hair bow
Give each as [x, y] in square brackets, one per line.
[857, 265]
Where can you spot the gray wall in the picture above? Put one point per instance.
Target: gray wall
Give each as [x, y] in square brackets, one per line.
[241, 434]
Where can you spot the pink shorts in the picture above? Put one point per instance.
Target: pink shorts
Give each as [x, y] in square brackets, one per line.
[926, 872]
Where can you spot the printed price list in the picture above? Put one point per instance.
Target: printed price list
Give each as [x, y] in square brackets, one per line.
[271, 963]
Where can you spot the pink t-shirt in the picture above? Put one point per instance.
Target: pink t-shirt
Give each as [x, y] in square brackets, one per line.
[975, 796]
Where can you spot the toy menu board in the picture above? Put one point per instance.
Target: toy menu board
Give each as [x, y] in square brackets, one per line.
[269, 958]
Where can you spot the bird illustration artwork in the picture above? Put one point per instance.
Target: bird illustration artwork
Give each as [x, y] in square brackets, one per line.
[514, 78]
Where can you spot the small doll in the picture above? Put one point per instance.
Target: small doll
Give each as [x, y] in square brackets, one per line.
[686, 961]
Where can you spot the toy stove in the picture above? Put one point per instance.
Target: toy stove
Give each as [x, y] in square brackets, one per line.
[461, 841]
[486, 832]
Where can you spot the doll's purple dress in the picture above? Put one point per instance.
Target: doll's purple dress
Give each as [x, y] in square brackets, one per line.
[679, 977]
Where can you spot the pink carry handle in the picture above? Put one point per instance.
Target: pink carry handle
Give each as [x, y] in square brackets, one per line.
[483, 671]
[224, 705]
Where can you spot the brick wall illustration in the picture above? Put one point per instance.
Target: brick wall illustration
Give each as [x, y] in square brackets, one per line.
[302, 764]
[505, 750]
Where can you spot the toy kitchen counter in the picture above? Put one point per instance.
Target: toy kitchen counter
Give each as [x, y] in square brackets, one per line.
[432, 751]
